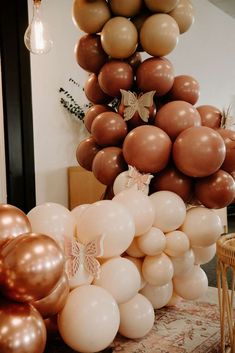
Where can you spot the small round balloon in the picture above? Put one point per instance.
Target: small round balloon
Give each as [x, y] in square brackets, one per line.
[204, 255]
[161, 6]
[183, 13]
[86, 152]
[152, 242]
[157, 270]
[177, 243]
[185, 88]
[93, 91]
[134, 250]
[93, 112]
[229, 140]
[159, 296]
[125, 8]
[183, 264]
[210, 115]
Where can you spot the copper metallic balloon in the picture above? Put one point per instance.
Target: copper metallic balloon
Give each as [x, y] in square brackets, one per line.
[185, 88]
[229, 140]
[171, 179]
[115, 75]
[174, 117]
[134, 60]
[125, 8]
[13, 222]
[90, 15]
[183, 13]
[147, 148]
[159, 35]
[86, 152]
[109, 129]
[107, 164]
[55, 300]
[90, 54]
[93, 112]
[22, 329]
[210, 115]
[155, 74]
[33, 264]
[216, 190]
[199, 151]
[119, 38]
[94, 92]
[161, 6]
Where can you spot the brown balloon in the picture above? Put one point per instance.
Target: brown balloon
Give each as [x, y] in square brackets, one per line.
[94, 92]
[199, 151]
[171, 179]
[109, 129]
[55, 300]
[229, 140]
[32, 264]
[134, 60]
[125, 8]
[107, 164]
[155, 74]
[13, 222]
[108, 194]
[210, 115]
[51, 327]
[161, 6]
[90, 54]
[115, 75]
[216, 190]
[93, 112]
[177, 116]
[22, 329]
[185, 88]
[147, 148]
[86, 152]
[183, 13]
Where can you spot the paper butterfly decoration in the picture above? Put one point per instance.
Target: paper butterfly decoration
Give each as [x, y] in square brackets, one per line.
[134, 103]
[83, 255]
[136, 178]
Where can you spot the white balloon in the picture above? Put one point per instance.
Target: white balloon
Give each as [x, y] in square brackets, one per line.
[120, 277]
[78, 210]
[158, 296]
[121, 183]
[170, 210]
[184, 263]
[136, 317]
[153, 242]
[138, 262]
[204, 255]
[177, 243]
[134, 249]
[157, 270]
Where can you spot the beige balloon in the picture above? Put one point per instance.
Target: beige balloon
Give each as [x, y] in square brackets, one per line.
[177, 243]
[126, 8]
[138, 263]
[159, 34]
[120, 277]
[90, 16]
[89, 320]
[174, 300]
[159, 296]
[204, 255]
[153, 242]
[184, 263]
[161, 6]
[134, 249]
[157, 270]
[119, 37]
[136, 317]
[121, 182]
[183, 14]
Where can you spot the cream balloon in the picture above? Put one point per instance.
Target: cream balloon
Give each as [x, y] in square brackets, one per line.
[157, 270]
[170, 210]
[192, 285]
[81, 277]
[184, 263]
[111, 219]
[153, 242]
[204, 255]
[202, 226]
[161, 6]
[158, 296]
[134, 249]
[89, 320]
[183, 14]
[140, 207]
[136, 317]
[177, 243]
[138, 262]
[120, 277]
[53, 220]
[174, 300]
[78, 210]
[121, 183]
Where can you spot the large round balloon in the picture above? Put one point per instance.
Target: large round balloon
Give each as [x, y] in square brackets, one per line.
[125, 8]
[115, 75]
[93, 91]
[159, 296]
[210, 115]
[229, 140]
[199, 151]
[86, 152]
[93, 112]
[183, 13]
[177, 116]
[155, 74]
[157, 270]
[90, 54]
[13, 222]
[119, 37]
[107, 164]
[185, 88]
[159, 34]
[161, 6]
[216, 190]
[147, 148]
[90, 16]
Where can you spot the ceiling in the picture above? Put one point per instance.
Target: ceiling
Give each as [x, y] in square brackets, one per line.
[227, 6]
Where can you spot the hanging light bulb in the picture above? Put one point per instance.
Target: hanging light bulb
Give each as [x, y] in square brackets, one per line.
[37, 37]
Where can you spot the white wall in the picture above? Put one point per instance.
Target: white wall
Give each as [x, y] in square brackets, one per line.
[206, 52]
[3, 191]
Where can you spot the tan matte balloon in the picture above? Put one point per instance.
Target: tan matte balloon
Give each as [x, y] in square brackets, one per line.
[13, 222]
[22, 329]
[159, 35]
[161, 6]
[183, 13]
[90, 16]
[119, 37]
[125, 8]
